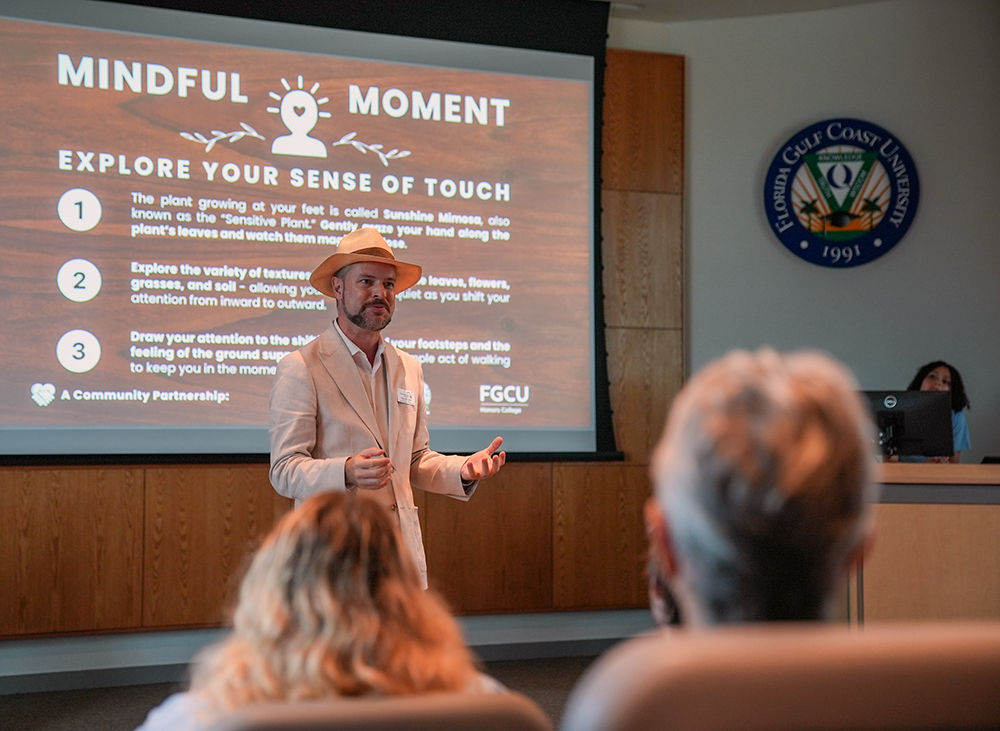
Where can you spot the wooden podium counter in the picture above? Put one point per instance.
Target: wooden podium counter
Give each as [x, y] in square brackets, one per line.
[937, 544]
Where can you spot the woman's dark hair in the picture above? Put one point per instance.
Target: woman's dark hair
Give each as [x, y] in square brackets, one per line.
[959, 400]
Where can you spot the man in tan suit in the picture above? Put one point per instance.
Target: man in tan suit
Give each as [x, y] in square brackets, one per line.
[347, 410]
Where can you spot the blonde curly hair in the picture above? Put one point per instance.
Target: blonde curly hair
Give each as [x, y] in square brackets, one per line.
[332, 605]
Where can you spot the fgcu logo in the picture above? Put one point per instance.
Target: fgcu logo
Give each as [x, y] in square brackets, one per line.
[495, 399]
[841, 193]
[503, 394]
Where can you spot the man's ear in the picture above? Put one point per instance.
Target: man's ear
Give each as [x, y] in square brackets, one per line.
[658, 532]
[338, 287]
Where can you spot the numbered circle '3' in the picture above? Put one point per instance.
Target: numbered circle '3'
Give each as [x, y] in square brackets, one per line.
[78, 351]
[79, 209]
[79, 280]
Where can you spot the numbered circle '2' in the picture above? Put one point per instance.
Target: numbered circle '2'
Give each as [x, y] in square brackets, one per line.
[79, 209]
[79, 280]
[78, 351]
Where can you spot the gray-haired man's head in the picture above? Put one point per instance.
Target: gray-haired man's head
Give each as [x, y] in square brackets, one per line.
[763, 488]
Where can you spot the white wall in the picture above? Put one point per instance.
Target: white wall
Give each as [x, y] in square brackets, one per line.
[926, 70]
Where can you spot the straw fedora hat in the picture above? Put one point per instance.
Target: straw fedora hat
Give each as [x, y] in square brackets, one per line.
[363, 244]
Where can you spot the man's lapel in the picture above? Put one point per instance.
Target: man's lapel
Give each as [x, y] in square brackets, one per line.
[336, 358]
[401, 447]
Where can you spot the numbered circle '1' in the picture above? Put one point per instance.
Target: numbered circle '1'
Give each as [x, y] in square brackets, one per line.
[79, 209]
[78, 351]
[79, 280]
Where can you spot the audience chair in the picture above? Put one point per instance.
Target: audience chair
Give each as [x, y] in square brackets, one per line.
[800, 677]
[433, 712]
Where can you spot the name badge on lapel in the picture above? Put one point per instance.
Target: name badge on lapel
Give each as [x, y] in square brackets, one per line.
[405, 397]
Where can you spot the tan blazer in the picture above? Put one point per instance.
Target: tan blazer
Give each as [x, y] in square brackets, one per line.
[320, 415]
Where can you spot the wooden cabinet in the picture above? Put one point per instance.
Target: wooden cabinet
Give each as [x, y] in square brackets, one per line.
[494, 552]
[102, 549]
[600, 540]
[201, 525]
[937, 544]
[70, 550]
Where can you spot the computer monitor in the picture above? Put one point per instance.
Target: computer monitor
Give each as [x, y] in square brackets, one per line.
[913, 423]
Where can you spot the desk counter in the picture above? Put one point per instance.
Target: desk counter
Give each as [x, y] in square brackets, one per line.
[937, 544]
[945, 484]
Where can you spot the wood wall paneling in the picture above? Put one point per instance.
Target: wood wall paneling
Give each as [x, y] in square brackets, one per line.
[643, 263]
[643, 136]
[934, 562]
[71, 547]
[648, 368]
[202, 522]
[642, 249]
[494, 552]
[599, 550]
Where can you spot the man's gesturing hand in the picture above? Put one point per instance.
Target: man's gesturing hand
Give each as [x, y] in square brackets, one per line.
[485, 462]
[369, 469]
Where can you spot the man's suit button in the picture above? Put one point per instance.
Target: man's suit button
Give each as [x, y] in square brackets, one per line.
[393, 507]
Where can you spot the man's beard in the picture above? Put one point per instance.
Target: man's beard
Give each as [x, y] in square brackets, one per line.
[368, 321]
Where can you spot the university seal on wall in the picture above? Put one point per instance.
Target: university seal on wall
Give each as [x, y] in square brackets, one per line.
[841, 193]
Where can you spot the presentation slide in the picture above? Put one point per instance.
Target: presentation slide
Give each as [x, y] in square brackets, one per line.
[168, 181]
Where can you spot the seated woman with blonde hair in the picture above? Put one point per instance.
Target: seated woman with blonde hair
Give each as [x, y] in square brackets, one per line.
[330, 606]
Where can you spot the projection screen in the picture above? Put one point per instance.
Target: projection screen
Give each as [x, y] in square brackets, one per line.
[169, 180]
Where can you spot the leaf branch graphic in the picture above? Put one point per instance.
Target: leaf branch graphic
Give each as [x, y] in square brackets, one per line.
[198, 137]
[364, 147]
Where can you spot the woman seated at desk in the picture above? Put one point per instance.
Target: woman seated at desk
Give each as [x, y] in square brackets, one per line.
[941, 376]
